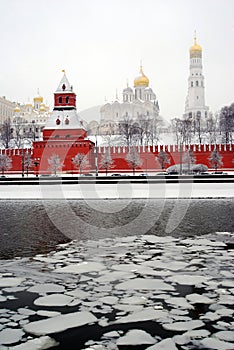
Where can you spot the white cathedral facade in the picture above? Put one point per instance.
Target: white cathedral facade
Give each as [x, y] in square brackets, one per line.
[137, 102]
[195, 107]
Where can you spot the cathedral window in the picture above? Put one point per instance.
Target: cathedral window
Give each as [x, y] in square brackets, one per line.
[197, 83]
[67, 99]
[191, 83]
[60, 99]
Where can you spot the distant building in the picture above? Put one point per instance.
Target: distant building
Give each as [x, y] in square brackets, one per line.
[6, 109]
[137, 102]
[195, 107]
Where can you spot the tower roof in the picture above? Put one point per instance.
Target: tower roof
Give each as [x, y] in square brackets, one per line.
[142, 79]
[64, 85]
[195, 50]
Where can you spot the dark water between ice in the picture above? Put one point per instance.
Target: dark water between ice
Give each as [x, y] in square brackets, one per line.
[29, 227]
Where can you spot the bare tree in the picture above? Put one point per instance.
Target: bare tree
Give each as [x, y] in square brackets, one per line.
[163, 159]
[215, 159]
[6, 133]
[106, 161]
[154, 129]
[126, 129]
[212, 128]
[133, 159]
[18, 131]
[55, 164]
[227, 122]
[182, 129]
[189, 159]
[5, 163]
[80, 161]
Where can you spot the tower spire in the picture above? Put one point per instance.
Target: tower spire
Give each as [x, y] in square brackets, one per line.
[141, 69]
[195, 37]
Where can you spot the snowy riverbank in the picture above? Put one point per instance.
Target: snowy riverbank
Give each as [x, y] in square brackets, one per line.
[118, 190]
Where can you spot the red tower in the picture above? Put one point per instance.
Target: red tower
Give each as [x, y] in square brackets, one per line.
[64, 133]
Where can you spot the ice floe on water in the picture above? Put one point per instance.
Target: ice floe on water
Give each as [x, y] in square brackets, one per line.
[136, 337]
[10, 281]
[60, 323]
[155, 293]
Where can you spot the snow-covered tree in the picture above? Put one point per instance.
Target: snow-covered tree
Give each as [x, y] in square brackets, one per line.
[133, 159]
[55, 163]
[80, 161]
[215, 160]
[28, 162]
[189, 159]
[163, 159]
[106, 161]
[5, 163]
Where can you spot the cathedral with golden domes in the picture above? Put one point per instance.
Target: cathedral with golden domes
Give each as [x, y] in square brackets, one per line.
[195, 108]
[137, 102]
[30, 118]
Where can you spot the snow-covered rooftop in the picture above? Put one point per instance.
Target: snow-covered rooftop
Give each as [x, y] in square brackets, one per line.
[64, 85]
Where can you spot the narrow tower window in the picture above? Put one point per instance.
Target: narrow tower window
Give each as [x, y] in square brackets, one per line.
[197, 83]
[60, 99]
[67, 99]
[191, 83]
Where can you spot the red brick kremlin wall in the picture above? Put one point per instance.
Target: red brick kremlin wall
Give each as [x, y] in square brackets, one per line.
[66, 150]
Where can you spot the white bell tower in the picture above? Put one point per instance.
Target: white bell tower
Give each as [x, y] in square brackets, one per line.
[195, 107]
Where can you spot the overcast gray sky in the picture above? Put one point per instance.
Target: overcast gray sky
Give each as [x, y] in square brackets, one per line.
[100, 44]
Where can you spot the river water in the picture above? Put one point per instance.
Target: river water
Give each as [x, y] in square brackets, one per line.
[117, 274]
[29, 227]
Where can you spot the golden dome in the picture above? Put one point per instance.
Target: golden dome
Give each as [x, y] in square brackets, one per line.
[42, 107]
[38, 99]
[195, 50]
[17, 109]
[142, 80]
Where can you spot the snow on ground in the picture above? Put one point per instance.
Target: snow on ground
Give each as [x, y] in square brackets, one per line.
[121, 287]
[118, 190]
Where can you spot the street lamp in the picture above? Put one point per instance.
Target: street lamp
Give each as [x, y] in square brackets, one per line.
[36, 163]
